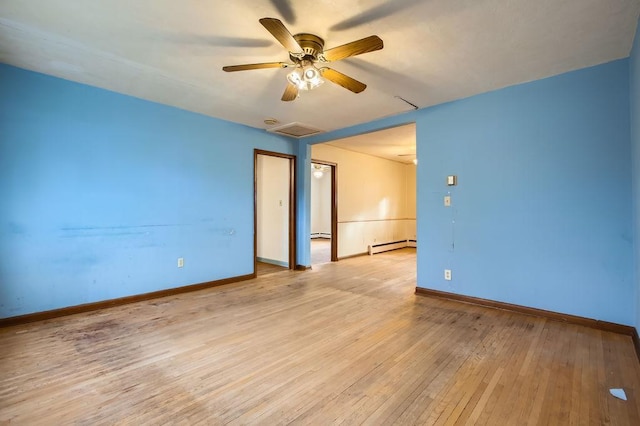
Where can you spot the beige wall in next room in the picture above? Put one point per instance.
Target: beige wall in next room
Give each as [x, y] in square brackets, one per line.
[376, 199]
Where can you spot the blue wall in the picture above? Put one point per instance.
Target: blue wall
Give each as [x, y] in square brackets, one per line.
[101, 193]
[634, 77]
[542, 213]
[303, 208]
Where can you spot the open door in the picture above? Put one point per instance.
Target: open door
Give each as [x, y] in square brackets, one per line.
[274, 211]
[324, 211]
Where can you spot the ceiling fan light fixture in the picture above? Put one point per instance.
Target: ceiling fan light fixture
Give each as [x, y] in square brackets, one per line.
[310, 74]
[305, 51]
[307, 77]
[295, 78]
[317, 170]
[312, 77]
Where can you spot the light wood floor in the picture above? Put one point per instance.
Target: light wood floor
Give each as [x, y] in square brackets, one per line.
[344, 343]
[263, 268]
[320, 251]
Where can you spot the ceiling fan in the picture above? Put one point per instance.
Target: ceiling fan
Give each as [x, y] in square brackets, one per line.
[306, 51]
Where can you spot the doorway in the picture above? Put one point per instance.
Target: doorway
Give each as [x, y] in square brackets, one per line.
[274, 212]
[324, 212]
[377, 194]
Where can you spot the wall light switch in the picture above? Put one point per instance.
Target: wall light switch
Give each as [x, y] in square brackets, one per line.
[447, 200]
[452, 180]
[180, 262]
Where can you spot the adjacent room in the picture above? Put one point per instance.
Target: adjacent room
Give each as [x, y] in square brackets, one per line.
[375, 191]
[274, 217]
[468, 171]
[322, 209]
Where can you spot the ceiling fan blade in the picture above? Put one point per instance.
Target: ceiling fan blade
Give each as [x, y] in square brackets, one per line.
[245, 67]
[281, 33]
[290, 93]
[343, 80]
[358, 47]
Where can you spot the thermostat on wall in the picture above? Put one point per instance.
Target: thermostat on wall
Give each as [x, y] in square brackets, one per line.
[452, 180]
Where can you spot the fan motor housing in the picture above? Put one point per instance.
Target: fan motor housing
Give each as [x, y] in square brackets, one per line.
[311, 44]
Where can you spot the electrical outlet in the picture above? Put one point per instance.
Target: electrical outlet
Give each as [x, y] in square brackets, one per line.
[180, 262]
[447, 274]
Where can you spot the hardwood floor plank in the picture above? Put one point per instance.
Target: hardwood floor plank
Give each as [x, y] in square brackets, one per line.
[501, 403]
[513, 379]
[484, 397]
[344, 343]
[487, 367]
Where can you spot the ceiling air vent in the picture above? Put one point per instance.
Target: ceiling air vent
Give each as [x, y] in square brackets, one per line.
[295, 130]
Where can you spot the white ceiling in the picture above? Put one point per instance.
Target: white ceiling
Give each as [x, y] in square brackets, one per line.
[396, 143]
[435, 51]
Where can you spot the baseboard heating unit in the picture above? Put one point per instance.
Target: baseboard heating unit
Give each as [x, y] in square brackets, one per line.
[394, 245]
[321, 235]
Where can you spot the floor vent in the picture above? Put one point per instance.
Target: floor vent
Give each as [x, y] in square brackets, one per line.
[295, 130]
